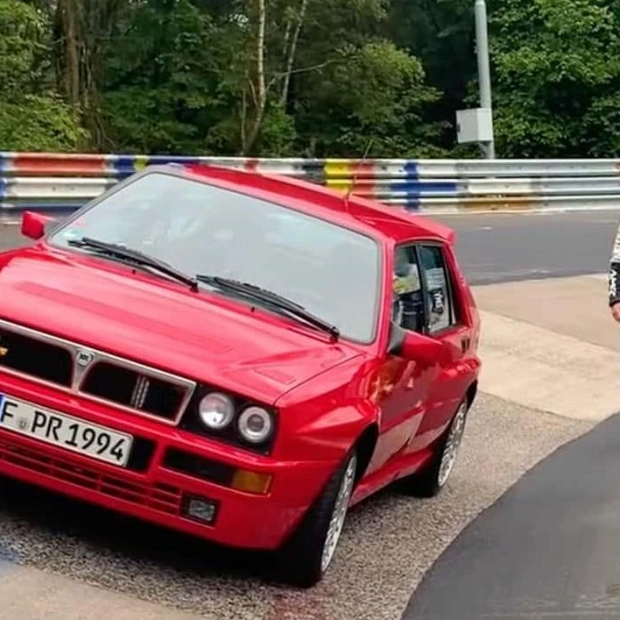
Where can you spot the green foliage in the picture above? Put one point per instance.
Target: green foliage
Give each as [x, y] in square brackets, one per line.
[337, 78]
[39, 123]
[32, 116]
[21, 44]
[373, 93]
[554, 61]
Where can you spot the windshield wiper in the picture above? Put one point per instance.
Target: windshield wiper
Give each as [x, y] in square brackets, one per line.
[136, 257]
[269, 297]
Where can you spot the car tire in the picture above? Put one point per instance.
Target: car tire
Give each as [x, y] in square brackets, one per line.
[433, 478]
[306, 556]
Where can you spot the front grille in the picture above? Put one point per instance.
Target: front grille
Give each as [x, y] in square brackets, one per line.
[81, 370]
[131, 389]
[162, 498]
[36, 358]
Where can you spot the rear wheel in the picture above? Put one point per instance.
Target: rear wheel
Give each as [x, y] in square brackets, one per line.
[435, 476]
[307, 555]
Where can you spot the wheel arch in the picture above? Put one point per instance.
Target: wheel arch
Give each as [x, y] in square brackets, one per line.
[472, 392]
[365, 447]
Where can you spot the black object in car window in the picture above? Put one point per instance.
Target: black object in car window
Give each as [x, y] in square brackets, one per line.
[439, 301]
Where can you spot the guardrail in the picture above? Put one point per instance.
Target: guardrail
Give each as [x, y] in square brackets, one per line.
[63, 182]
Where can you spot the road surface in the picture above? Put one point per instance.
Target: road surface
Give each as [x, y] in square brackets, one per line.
[501, 248]
[548, 549]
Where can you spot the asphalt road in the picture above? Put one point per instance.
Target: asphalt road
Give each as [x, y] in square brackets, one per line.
[10, 237]
[499, 248]
[549, 548]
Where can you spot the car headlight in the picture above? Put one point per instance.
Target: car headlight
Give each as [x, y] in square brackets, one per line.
[216, 411]
[255, 425]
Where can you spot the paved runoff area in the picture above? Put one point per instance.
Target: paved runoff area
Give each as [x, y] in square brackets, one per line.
[551, 356]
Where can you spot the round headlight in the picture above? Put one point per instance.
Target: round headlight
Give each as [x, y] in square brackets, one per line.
[216, 411]
[255, 425]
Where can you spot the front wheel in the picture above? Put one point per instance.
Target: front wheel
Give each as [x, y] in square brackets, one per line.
[305, 558]
[430, 481]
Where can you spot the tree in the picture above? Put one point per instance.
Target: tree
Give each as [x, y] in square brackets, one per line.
[556, 62]
[375, 92]
[32, 116]
[82, 29]
[306, 77]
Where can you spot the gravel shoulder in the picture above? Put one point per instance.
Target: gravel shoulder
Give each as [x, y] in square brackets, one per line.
[389, 543]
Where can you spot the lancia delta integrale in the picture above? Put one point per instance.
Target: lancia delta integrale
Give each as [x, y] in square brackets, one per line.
[236, 356]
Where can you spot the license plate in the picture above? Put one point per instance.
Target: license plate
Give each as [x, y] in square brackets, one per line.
[65, 431]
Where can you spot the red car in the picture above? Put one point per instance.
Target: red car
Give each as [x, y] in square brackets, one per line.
[236, 356]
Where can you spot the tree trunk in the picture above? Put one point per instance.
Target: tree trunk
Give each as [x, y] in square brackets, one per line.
[82, 25]
[290, 61]
[68, 22]
[261, 87]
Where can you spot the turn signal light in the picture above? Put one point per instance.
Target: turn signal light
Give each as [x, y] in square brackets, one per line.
[251, 482]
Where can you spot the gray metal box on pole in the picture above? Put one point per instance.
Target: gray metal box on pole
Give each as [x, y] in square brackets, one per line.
[474, 125]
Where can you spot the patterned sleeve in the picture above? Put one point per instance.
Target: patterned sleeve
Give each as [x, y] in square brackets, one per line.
[614, 272]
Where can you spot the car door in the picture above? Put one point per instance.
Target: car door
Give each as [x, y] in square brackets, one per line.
[447, 320]
[401, 387]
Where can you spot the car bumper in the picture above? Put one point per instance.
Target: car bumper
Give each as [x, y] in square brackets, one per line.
[162, 490]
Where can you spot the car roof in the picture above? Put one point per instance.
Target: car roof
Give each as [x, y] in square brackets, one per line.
[373, 218]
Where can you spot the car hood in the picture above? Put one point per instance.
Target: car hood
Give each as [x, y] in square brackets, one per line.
[101, 305]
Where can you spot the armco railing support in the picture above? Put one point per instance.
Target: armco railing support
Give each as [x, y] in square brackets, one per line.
[62, 182]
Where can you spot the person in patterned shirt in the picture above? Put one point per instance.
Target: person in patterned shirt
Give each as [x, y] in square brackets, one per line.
[614, 279]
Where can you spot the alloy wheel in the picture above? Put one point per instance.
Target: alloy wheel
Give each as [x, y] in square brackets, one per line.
[341, 507]
[453, 443]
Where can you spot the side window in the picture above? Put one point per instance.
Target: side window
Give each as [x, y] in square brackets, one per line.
[408, 300]
[438, 291]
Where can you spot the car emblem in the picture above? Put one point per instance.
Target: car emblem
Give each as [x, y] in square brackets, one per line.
[84, 358]
[3, 351]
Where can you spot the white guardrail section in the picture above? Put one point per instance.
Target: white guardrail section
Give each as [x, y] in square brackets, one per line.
[63, 182]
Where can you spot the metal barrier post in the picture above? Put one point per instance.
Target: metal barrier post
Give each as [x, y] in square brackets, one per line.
[484, 71]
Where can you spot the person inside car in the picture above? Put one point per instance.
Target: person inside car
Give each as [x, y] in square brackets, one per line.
[407, 302]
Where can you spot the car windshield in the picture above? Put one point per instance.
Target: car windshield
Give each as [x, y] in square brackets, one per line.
[201, 229]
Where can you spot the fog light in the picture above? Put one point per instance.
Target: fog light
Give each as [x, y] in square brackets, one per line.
[201, 509]
[251, 482]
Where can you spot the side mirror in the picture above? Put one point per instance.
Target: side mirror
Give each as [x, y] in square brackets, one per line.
[33, 224]
[423, 349]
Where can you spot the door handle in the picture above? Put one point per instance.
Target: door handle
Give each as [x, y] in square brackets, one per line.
[465, 342]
